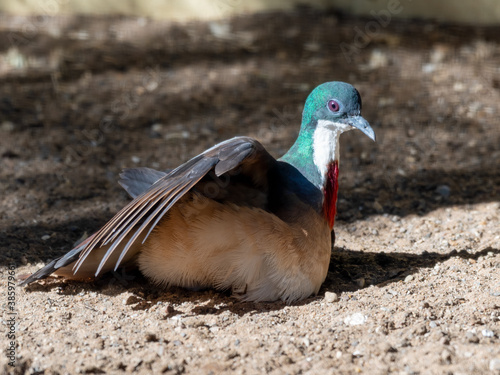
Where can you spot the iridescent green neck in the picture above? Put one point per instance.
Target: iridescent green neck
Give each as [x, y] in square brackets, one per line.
[300, 155]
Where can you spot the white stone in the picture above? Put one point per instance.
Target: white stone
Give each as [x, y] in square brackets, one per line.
[355, 319]
[495, 364]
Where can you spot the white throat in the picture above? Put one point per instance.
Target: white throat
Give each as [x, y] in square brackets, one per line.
[326, 144]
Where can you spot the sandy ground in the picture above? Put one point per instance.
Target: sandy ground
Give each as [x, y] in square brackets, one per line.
[414, 281]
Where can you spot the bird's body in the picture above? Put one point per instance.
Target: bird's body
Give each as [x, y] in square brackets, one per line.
[233, 217]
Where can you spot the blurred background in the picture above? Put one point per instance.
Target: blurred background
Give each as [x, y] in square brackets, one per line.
[90, 87]
[469, 11]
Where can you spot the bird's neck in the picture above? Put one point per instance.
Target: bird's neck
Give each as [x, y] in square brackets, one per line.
[316, 155]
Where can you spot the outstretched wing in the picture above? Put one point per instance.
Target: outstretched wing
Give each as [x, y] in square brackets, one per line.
[132, 225]
[137, 180]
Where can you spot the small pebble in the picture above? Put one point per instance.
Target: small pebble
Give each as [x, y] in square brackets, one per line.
[382, 330]
[7, 126]
[45, 237]
[428, 68]
[169, 310]
[355, 319]
[361, 282]
[495, 364]
[157, 127]
[488, 333]
[151, 337]
[331, 297]
[378, 207]
[408, 278]
[132, 300]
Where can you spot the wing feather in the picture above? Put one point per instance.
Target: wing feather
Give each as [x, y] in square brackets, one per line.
[231, 158]
[137, 180]
[147, 208]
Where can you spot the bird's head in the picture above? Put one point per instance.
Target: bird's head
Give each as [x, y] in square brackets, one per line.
[335, 106]
[330, 110]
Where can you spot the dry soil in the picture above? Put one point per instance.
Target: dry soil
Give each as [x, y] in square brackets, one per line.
[414, 281]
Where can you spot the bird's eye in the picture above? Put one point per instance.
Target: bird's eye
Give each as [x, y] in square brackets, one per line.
[333, 105]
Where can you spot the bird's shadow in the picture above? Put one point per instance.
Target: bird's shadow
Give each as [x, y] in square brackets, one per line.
[347, 268]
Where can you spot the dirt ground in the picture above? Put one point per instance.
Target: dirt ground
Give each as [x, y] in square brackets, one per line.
[414, 281]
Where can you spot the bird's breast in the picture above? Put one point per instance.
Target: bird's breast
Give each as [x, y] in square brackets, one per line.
[204, 243]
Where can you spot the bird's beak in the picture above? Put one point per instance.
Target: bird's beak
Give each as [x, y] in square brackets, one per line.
[360, 123]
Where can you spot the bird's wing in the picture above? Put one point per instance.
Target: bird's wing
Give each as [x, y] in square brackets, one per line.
[68, 258]
[239, 156]
[137, 180]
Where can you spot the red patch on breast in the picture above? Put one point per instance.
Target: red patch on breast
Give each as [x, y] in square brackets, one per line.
[330, 193]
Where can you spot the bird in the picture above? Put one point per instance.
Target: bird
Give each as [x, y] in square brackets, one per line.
[232, 218]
